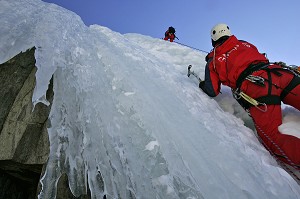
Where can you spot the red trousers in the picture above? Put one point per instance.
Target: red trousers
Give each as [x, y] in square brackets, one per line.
[285, 147]
[170, 36]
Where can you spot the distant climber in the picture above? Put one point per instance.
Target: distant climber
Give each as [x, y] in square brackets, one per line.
[170, 34]
[258, 85]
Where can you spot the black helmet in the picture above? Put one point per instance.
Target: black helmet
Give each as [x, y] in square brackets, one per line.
[171, 30]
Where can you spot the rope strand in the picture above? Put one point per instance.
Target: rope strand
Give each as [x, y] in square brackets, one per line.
[191, 47]
[293, 165]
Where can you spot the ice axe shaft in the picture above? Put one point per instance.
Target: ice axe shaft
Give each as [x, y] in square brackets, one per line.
[193, 73]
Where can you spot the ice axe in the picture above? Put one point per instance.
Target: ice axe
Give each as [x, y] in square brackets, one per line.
[193, 73]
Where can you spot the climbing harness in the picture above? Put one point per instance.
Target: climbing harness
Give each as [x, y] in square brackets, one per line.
[247, 101]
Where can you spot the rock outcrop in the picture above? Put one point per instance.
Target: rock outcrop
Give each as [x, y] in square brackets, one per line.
[23, 135]
[24, 144]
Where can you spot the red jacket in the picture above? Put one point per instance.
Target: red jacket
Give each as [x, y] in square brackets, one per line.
[226, 62]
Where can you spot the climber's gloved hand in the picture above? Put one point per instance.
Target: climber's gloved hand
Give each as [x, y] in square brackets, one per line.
[201, 84]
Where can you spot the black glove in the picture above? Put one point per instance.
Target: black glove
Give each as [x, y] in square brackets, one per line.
[201, 84]
[206, 58]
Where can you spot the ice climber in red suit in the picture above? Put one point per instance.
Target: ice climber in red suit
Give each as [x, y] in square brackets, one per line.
[258, 85]
[170, 34]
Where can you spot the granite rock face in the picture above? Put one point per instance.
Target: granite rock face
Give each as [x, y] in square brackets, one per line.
[24, 143]
[23, 133]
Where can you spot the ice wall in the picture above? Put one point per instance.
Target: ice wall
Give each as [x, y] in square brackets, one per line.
[126, 121]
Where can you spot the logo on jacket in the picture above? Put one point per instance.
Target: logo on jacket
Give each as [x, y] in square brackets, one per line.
[224, 56]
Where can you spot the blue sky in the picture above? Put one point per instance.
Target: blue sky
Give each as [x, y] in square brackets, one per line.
[272, 25]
